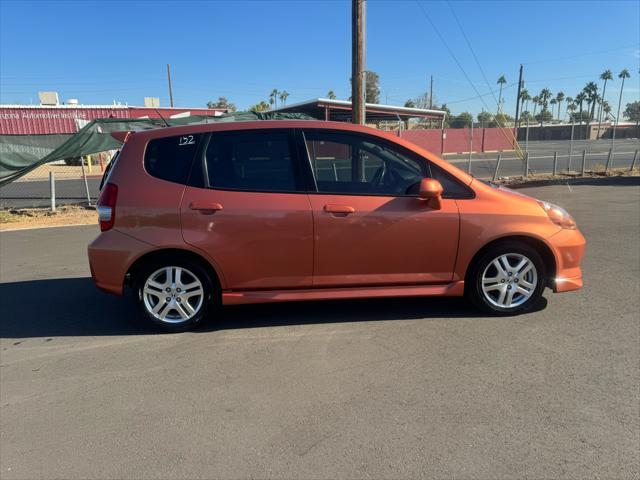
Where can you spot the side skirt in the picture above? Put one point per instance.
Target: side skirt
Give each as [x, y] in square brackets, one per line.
[454, 289]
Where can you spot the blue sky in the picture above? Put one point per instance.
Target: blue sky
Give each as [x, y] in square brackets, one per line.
[99, 52]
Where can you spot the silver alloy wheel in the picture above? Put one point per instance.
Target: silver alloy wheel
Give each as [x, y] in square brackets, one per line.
[173, 294]
[509, 280]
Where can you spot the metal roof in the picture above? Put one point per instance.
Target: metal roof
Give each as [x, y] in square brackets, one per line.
[330, 109]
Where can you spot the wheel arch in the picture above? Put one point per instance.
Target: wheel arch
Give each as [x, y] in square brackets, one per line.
[539, 245]
[172, 253]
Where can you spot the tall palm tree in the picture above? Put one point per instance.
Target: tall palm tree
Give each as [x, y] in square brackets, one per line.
[559, 100]
[273, 97]
[283, 97]
[623, 74]
[544, 96]
[606, 75]
[536, 102]
[553, 102]
[571, 108]
[580, 98]
[591, 92]
[331, 95]
[569, 102]
[501, 81]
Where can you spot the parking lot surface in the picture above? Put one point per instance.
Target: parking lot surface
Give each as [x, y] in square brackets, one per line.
[403, 388]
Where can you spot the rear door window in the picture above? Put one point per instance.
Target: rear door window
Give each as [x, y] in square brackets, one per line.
[170, 158]
[261, 161]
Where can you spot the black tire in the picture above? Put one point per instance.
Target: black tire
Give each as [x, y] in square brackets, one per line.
[191, 270]
[489, 302]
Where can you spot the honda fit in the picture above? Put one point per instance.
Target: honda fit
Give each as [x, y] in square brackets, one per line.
[196, 217]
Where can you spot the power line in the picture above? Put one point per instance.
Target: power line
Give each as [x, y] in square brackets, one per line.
[466, 39]
[444, 42]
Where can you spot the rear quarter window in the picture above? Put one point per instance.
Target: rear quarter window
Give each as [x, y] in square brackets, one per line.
[170, 158]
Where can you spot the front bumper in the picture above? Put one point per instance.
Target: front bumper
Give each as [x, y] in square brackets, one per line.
[568, 248]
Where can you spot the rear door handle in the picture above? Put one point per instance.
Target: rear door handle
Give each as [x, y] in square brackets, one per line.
[205, 206]
[345, 209]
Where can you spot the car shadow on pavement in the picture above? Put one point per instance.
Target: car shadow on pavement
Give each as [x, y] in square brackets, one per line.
[74, 307]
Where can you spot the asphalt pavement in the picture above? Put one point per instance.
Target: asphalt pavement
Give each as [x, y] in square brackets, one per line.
[397, 388]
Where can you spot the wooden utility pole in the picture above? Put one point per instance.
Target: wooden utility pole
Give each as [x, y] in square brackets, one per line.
[358, 115]
[170, 89]
[515, 126]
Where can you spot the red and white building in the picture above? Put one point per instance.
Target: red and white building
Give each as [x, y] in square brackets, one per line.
[68, 119]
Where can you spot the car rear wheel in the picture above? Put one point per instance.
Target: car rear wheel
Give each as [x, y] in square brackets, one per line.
[174, 295]
[507, 279]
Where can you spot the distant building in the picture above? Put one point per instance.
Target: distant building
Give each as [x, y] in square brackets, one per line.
[68, 119]
[340, 110]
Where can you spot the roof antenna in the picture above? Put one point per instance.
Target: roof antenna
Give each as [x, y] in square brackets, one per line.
[160, 115]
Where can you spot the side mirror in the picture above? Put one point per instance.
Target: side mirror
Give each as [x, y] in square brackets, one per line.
[431, 191]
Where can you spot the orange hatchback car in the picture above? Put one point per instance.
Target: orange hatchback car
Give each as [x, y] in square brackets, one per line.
[199, 216]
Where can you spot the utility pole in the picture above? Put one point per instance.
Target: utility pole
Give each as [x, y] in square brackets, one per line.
[431, 94]
[170, 89]
[358, 115]
[430, 98]
[518, 104]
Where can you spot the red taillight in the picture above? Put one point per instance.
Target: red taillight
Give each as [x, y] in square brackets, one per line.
[107, 206]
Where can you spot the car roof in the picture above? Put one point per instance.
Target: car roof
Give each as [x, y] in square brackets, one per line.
[257, 125]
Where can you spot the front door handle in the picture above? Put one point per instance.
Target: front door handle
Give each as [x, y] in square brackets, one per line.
[205, 206]
[344, 209]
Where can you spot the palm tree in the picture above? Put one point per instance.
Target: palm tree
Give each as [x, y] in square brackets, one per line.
[606, 75]
[623, 74]
[569, 102]
[559, 100]
[501, 81]
[553, 102]
[544, 96]
[571, 108]
[591, 92]
[580, 98]
[273, 97]
[536, 102]
[331, 95]
[283, 97]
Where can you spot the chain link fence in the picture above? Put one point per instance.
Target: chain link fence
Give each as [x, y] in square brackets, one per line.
[79, 183]
[74, 182]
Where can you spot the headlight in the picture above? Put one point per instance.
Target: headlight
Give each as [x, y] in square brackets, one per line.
[558, 215]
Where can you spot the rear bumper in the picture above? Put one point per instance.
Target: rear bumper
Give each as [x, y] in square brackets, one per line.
[110, 256]
[568, 248]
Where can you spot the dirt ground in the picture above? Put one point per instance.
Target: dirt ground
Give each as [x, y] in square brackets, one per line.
[15, 219]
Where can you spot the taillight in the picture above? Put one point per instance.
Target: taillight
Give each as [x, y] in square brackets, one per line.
[107, 206]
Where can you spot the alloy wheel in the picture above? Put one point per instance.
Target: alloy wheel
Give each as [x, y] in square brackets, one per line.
[509, 280]
[173, 294]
